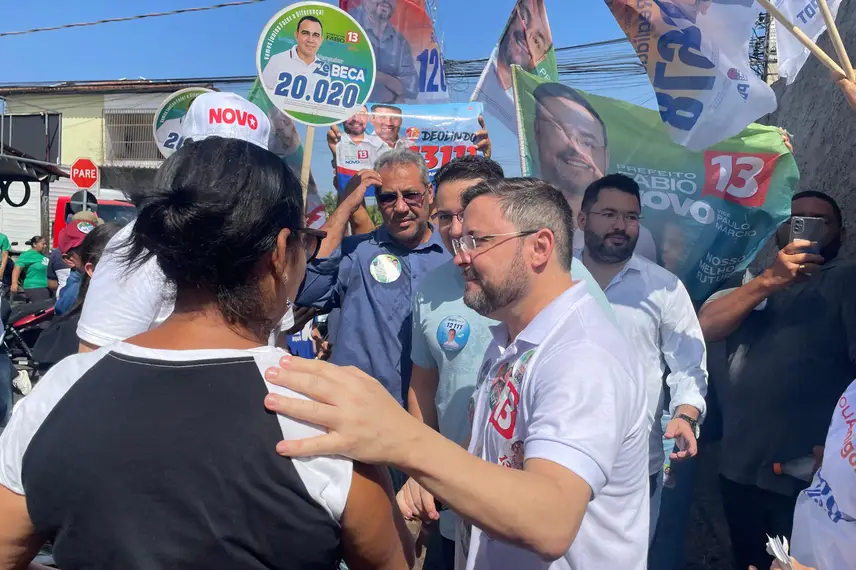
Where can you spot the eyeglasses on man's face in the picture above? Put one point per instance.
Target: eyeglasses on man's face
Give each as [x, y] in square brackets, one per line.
[445, 218]
[470, 242]
[413, 198]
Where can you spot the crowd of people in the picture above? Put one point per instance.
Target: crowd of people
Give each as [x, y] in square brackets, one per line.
[497, 360]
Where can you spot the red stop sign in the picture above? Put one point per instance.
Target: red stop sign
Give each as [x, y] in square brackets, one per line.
[84, 173]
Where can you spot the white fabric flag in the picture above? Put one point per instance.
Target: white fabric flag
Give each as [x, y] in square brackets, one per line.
[695, 52]
[526, 41]
[805, 14]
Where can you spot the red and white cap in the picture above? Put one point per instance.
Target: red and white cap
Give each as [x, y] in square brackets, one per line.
[226, 115]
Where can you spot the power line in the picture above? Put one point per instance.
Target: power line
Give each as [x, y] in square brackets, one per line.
[129, 18]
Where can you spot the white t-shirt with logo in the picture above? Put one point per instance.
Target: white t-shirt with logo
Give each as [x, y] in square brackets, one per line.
[824, 535]
[290, 62]
[568, 389]
[357, 156]
[121, 304]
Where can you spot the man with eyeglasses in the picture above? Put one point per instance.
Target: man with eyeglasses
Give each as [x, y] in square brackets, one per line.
[554, 473]
[656, 313]
[789, 333]
[444, 373]
[372, 277]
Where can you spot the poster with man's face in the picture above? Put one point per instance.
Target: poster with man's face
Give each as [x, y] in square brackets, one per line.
[708, 213]
[410, 66]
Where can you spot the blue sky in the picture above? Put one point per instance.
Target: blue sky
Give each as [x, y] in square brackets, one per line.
[223, 42]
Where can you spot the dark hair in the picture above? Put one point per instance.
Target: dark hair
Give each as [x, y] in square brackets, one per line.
[468, 168]
[34, 240]
[383, 106]
[620, 182]
[90, 251]
[531, 204]
[216, 210]
[311, 19]
[560, 91]
[821, 196]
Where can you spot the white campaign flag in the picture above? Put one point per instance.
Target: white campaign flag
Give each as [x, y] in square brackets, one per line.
[696, 55]
[526, 41]
[805, 14]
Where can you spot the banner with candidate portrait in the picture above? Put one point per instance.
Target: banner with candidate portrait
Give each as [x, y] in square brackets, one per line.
[410, 66]
[705, 214]
[285, 143]
[526, 41]
[695, 54]
[439, 132]
[806, 14]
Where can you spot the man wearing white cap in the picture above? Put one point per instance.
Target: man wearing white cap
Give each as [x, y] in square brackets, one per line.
[129, 303]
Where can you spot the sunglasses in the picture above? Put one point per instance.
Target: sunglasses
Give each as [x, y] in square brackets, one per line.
[413, 198]
[311, 240]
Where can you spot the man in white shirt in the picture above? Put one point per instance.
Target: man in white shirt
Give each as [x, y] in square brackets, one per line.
[653, 309]
[300, 60]
[449, 341]
[555, 476]
[121, 304]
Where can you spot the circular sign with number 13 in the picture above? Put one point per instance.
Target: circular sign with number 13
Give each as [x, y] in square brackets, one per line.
[316, 63]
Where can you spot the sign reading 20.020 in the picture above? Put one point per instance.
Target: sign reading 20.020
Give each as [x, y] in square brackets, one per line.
[316, 63]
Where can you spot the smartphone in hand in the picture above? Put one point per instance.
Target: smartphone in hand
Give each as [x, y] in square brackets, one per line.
[810, 229]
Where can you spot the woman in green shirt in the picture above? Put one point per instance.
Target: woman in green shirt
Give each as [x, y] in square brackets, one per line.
[33, 263]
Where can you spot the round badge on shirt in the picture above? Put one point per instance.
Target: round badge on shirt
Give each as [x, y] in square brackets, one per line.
[453, 333]
[385, 268]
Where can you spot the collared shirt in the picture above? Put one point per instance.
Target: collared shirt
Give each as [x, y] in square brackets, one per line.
[788, 363]
[290, 62]
[392, 52]
[656, 314]
[438, 308]
[372, 278]
[568, 389]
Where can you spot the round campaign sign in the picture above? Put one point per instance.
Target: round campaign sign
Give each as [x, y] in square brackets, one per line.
[316, 63]
[167, 125]
[453, 333]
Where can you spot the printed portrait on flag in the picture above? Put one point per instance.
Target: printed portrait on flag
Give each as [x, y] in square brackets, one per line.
[704, 214]
[409, 63]
[527, 42]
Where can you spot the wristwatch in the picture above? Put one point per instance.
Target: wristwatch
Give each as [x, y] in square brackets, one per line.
[693, 424]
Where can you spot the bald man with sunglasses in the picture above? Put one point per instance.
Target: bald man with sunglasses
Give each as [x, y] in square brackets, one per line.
[372, 277]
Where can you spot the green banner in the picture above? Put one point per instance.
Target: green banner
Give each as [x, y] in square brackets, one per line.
[705, 214]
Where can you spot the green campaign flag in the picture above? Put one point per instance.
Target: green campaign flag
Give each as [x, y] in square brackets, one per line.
[705, 214]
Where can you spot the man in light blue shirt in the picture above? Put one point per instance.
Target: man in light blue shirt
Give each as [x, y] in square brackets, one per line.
[449, 339]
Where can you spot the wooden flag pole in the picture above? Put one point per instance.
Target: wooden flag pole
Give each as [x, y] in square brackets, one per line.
[836, 40]
[304, 168]
[804, 39]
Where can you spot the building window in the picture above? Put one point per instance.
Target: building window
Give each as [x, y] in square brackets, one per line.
[128, 138]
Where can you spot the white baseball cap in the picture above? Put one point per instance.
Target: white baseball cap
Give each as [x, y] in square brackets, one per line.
[226, 115]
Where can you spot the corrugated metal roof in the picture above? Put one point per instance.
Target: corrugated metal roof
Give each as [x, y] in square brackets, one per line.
[121, 86]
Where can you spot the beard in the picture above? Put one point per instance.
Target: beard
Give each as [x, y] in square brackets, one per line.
[354, 128]
[490, 297]
[603, 252]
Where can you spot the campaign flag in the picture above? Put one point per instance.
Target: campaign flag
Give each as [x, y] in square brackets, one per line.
[438, 132]
[695, 52]
[526, 41]
[285, 143]
[410, 66]
[706, 214]
[806, 15]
